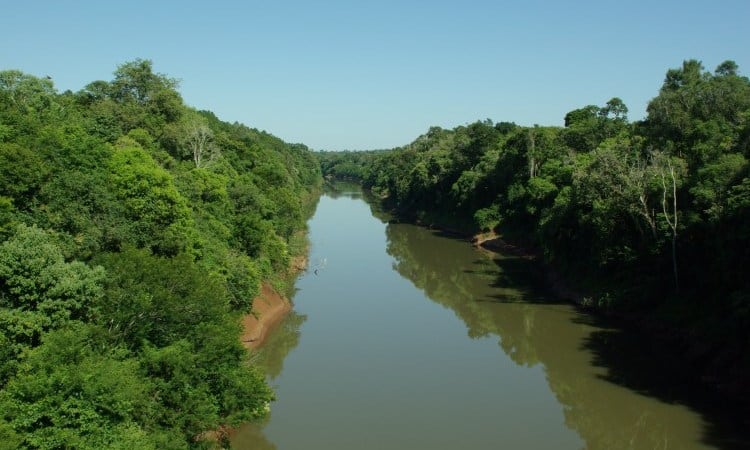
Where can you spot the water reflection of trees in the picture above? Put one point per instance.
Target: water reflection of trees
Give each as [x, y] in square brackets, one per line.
[283, 340]
[499, 296]
[348, 189]
[251, 436]
[470, 282]
[270, 358]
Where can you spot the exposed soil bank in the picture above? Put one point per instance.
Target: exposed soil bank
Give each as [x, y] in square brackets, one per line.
[268, 310]
[269, 307]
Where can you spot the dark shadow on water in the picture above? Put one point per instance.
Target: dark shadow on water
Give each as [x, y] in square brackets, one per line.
[656, 370]
[449, 234]
[524, 276]
[531, 335]
[628, 357]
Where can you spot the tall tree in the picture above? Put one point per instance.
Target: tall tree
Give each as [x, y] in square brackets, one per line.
[198, 140]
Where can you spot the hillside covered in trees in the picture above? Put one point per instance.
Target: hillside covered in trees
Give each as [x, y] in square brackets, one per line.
[134, 231]
[650, 216]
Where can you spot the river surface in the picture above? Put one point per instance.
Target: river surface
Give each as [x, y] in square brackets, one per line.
[405, 339]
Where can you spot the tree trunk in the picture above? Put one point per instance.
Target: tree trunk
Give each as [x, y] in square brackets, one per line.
[672, 221]
[531, 151]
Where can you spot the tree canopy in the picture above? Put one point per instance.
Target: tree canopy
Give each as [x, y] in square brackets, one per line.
[648, 215]
[134, 232]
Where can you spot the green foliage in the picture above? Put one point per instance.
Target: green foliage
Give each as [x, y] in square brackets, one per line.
[27, 102]
[136, 98]
[39, 291]
[630, 206]
[123, 266]
[69, 395]
[157, 300]
[487, 218]
[587, 127]
[175, 315]
[698, 115]
[243, 281]
[158, 215]
[714, 181]
[21, 172]
[7, 213]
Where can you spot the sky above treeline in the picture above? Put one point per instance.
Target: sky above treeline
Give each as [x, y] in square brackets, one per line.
[338, 75]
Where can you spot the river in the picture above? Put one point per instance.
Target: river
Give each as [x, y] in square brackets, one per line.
[405, 339]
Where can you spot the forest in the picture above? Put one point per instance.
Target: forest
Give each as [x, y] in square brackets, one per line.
[135, 231]
[647, 219]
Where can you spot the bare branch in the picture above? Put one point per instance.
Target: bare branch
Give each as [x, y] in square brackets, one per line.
[199, 140]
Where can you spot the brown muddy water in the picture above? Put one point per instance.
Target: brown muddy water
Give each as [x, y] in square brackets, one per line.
[405, 339]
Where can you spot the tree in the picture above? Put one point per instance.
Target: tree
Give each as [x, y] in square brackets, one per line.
[587, 127]
[40, 292]
[243, 280]
[699, 116]
[690, 73]
[136, 81]
[541, 144]
[615, 109]
[26, 93]
[727, 68]
[70, 394]
[175, 315]
[145, 353]
[668, 179]
[22, 172]
[157, 215]
[155, 301]
[714, 183]
[198, 140]
[136, 98]
[7, 213]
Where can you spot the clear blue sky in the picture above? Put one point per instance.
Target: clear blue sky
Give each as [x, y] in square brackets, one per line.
[360, 75]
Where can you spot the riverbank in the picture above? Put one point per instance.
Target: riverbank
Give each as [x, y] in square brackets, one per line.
[269, 309]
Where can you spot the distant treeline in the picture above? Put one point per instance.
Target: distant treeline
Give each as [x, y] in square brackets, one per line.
[134, 231]
[647, 215]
